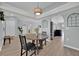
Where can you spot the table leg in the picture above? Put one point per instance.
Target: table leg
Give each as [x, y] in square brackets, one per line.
[9, 40]
[37, 47]
[45, 41]
[41, 44]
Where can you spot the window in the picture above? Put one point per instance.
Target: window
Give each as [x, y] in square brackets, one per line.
[73, 20]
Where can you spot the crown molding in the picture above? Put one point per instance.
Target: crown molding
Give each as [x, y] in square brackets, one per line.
[64, 7]
[6, 6]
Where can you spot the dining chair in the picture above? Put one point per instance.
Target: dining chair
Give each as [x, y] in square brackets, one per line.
[7, 38]
[44, 37]
[27, 46]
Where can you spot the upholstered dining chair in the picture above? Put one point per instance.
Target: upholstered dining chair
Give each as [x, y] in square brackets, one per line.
[27, 46]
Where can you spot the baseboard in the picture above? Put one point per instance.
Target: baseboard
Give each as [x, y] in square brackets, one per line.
[71, 47]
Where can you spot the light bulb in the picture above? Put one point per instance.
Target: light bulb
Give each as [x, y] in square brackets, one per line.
[37, 13]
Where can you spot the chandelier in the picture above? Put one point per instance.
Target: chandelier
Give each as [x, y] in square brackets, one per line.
[38, 10]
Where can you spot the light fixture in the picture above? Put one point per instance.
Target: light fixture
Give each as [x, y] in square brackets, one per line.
[38, 10]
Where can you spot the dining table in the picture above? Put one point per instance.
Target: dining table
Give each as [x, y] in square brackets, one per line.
[36, 38]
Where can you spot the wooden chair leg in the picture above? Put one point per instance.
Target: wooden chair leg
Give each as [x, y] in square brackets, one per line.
[21, 51]
[9, 40]
[41, 44]
[26, 53]
[45, 41]
[4, 41]
[35, 52]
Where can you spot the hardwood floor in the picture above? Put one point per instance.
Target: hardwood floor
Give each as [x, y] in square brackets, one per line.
[53, 48]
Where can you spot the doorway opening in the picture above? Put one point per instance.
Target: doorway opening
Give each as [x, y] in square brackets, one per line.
[57, 27]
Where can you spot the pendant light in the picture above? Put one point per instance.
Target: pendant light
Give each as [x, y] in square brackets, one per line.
[38, 10]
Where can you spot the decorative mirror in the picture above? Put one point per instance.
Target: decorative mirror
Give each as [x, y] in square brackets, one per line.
[73, 20]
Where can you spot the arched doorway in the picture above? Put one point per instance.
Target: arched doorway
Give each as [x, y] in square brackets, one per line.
[58, 26]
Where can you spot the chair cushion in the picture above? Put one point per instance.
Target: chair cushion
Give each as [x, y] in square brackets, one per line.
[29, 46]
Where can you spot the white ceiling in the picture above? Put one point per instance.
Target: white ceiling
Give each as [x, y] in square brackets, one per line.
[28, 6]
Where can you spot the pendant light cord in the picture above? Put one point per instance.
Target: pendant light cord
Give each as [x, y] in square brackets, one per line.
[38, 4]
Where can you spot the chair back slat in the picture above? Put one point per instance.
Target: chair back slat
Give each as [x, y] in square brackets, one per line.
[22, 41]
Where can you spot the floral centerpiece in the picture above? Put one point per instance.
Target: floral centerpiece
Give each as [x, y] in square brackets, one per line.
[20, 29]
[37, 31]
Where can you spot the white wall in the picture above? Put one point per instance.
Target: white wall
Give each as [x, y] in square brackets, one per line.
[10, 28]
[20, 20]
[71, 34]
[1, 34]
[71, 37]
